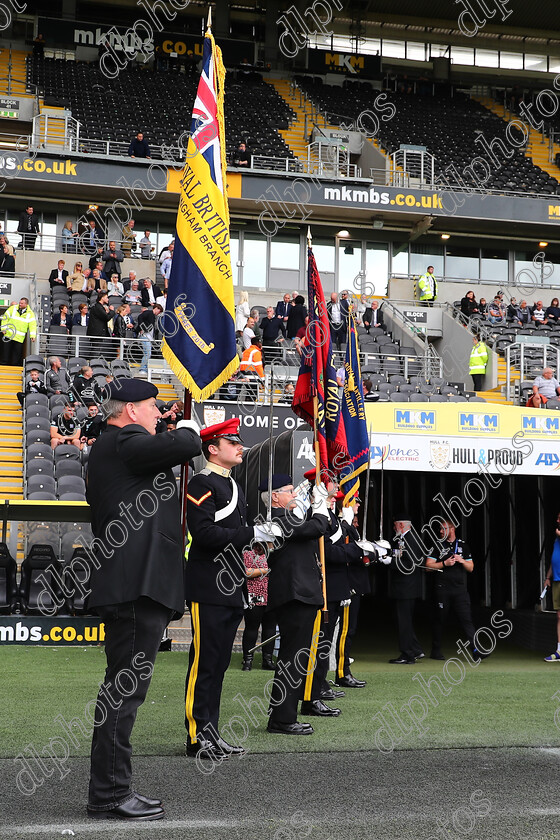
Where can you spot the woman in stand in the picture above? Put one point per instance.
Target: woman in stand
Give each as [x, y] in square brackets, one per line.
[297, 316]
[242, 312]
[76, 281]
[68, 235]
[469, 306]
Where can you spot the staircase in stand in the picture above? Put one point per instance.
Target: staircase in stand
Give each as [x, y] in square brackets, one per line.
[497, 395]
[294, 135]
[18, 87]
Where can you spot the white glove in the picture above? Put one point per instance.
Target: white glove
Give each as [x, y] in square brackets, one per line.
[189, 424]
[346, 603]
[347, 515]
[366, 545]
[267, 532]
[319, 500]
[385, 560]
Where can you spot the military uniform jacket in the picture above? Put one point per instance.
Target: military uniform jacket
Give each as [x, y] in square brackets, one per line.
[404, 575]
[295, 573]
[358, 574]
[217, 520]
[130, 470]
[338, 556]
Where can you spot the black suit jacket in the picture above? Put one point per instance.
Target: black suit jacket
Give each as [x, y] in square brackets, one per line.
[130, 470]
[338, 556]
[98, 320]
[77, 319]
[22, 226]
[112, 265]
[53, 277]
[295, 574]
[215, 576]
[358, 573]
[55, 321]
[145, 299]
[368, 316]
[405, 576]
[283, 309]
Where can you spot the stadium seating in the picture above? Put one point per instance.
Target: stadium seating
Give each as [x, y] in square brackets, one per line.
[9, 591]
[39, 589]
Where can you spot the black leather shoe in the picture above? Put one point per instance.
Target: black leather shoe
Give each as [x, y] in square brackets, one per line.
[318, 709]
[420, 655]
[402, 660]
[289, 728]
[154, 803]
[207, 749]
[350, 682]
[134, 810]
[229, 749]
[247, 663]
[331, 694]
[437, 654]
[268, 663]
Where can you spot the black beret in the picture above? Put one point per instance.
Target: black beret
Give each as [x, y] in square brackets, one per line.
[401, 516]
[278, 480]
[130, 390]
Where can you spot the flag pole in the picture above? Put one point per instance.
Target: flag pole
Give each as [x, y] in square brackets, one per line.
[187, 414]
[317, 482]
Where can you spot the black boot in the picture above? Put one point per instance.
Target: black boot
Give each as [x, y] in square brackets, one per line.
[268, 662]
[247, 662]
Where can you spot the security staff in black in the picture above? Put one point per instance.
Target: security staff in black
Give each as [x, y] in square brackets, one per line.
[215, 584]
[358, 578]
[295, 594]
[405, 586]
[338, 555]
[137, 577]
[450, 588]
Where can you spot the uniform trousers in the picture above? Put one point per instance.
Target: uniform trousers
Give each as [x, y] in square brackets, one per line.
[11, 352]
[316, 680]
[295, 622]
[346, 632]
[408, 643]
[254, 618]
[458, 600]
[213, 634]
[133, 633]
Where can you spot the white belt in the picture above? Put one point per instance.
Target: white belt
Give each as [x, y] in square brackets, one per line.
[230, 507]
[337, 535]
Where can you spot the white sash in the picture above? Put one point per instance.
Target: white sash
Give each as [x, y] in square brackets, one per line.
[230, 507]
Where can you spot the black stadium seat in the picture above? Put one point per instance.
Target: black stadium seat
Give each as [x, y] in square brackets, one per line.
[39, 589]
[9, 592]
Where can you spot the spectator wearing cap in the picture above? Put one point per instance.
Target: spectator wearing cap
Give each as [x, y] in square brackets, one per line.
[295, 593]
[137, 581]
[215, 584]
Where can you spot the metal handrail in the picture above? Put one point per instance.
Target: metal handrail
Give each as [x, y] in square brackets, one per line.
[521, 347]
[431, 357]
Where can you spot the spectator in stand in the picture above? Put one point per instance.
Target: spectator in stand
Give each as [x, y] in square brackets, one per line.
[81, 317]
[288, 393]
[165, 269]
[369, 394]
[469, 306]
[62, 318]
[33, 386]
[58, 276]
[242, 312]
[283, 308]
[57, 379]
[92, 426]
[373, 319]
[522, 315]
[29, 228]
[99, 316]
[66, 429]
[162, 299]
[149, 293]
[69, 238]
[167, 252]
[146, 246]
[85, 388]
[248, 333]
[538, 316]
[146, 327]
[7, 261]
[553, 312]
[361, 307]
[77, 282]
[511, 310]
[255, 315]
[337, 311]
[92, 237]
[38, 46]
[127, 282]
[545, 387]
[300, 335]
[139, 147]
[483, 307]
[242, 156]
[113, 258]
[97, 281]
[123, 326]
[114, 286]
[133, 296]
[497, 312]
[271, 328]
[96, 258]
[129, 239]
[4, 241]
[297, 316]
[251, 366]
[16, 322]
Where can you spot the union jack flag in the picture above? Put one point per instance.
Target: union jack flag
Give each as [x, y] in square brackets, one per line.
[205, 129]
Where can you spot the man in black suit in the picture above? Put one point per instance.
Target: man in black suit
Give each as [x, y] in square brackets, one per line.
[137, 577]
[28, 226]
[295, 594]
[215, 584]
[149, 293]
[373, 318]
[405, 586]
[113, 257]
[338, 311]
[58, 276]
[283, 308]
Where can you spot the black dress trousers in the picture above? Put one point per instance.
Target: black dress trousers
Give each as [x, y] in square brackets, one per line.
[133, 632]
[408, 643]
[295, 622]
[457, 600]
[314, 687]
[254, 618]
[347, 630]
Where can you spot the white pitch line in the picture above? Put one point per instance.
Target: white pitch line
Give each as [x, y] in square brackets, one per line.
[96, 826]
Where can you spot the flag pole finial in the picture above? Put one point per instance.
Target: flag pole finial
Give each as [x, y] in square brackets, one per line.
[209, 23]
[309, 238]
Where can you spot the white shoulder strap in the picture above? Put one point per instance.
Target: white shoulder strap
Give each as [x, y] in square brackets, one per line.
[230, 507]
